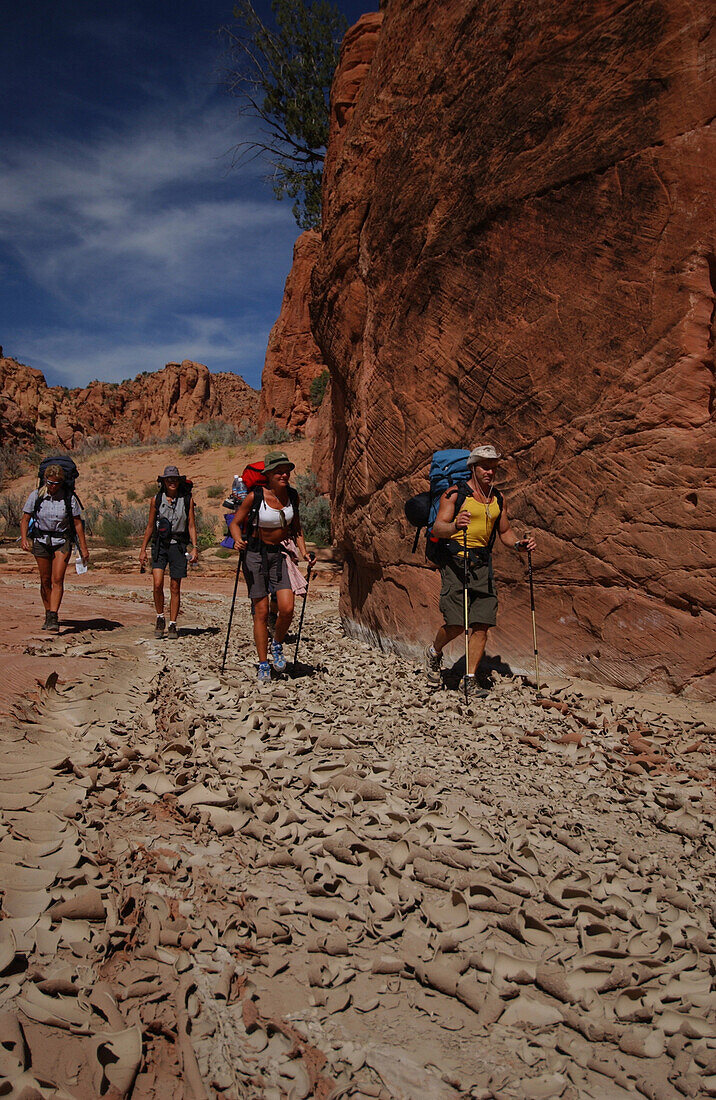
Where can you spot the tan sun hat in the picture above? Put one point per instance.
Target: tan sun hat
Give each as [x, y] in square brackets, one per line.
[484, 453]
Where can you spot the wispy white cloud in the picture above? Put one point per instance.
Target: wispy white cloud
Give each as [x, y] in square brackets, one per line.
[78, 356]
[142, 235]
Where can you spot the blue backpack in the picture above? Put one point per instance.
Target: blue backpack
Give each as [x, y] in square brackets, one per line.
[448, 468]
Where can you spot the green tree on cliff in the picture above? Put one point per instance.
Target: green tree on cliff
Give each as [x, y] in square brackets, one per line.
[282, 76]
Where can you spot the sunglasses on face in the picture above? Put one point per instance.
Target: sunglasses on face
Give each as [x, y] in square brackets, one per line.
[53, 483]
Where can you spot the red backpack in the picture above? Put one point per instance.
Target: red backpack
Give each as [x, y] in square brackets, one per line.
[254, 475]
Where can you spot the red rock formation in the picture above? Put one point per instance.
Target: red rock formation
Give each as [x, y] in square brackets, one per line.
[520, 245]
[292, 357]
[149, 406]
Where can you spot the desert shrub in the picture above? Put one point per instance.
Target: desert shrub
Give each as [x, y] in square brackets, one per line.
[315, 510]
[247, 432]
[116, 507]
[12, 463]
[137, 519]
[91, 444]
[149, 489]
[91, 514]
[132, 495]
[205, 437]
[205, 535]
[11, 512]
[116, 530]
[272, 434]
[317, 389]
[224, 552]
[316, 520]
[215, 491]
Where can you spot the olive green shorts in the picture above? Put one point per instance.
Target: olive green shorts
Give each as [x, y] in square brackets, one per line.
[481, 596]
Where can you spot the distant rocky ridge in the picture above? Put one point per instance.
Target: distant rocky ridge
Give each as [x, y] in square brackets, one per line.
[146, 407]
[519, 244]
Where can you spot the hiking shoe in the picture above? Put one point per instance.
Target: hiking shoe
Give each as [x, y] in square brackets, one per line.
[264, 672]
[172, 632]
[52, 623]
[279, 661]
[159, 628]
[433, 666]
[474, 691]
[47, 620]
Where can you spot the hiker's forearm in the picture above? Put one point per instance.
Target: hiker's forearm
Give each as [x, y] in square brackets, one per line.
[81, 537]
[444, 528]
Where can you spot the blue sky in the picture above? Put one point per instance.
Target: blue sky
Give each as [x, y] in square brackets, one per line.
[126, 239]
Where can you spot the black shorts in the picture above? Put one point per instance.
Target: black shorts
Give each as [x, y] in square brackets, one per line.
[262, 568]
[42, 549]
[172, 555]
[481, 596]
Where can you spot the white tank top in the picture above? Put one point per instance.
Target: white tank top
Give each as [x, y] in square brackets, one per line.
[271, 517]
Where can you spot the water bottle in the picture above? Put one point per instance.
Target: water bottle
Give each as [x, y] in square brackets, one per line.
[238, 488]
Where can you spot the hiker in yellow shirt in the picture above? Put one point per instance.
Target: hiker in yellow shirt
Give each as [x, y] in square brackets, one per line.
[480, 518]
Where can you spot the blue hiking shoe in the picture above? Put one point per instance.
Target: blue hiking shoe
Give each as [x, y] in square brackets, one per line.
[264, 673]
[279, 661]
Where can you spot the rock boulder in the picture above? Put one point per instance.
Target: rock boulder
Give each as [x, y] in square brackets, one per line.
[520, 246]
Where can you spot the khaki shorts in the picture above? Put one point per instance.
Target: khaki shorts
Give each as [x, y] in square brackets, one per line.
[481, 596]
[262, 570]
[43, 549]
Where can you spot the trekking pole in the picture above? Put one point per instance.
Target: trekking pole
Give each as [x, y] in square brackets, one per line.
[532, 608]
[231, 613]
[303, 610]
[464, 603]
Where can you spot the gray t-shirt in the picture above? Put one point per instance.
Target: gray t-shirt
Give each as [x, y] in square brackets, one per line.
[175, 512]
[52, 517]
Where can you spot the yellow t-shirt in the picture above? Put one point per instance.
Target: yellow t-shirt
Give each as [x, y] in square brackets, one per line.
[482, 519]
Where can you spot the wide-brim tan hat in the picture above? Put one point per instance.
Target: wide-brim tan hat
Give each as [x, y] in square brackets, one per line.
[484, 453]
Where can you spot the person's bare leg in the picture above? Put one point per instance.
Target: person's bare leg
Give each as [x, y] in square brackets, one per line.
[286, 602]
[174, 598]
[59, 568]
[261, 628]
[445, 635]
[476, 647]
[44, 566]
[158, 583]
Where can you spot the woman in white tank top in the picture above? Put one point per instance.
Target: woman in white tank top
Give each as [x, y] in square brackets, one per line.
[265, 565]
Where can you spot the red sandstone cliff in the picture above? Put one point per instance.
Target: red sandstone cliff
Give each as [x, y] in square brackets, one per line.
[293, 359]
[149, 406]
[520, 245]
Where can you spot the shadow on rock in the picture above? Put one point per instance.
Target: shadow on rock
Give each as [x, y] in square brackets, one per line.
[197, 631]
[488, 665]
[299, 670]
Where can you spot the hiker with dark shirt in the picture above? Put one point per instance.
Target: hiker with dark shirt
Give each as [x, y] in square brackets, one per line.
[56, 525]
[272, 512]
[477, 516]
[171, 527]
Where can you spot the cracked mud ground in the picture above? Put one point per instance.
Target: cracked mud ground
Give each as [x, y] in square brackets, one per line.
[343, 886]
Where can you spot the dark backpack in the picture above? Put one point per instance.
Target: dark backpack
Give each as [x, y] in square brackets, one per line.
[71, 474]
[448, 470]
[162, 526]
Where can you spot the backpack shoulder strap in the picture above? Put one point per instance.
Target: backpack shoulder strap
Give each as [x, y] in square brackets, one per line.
[252, 520]
[493, 533]
[463, 492]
